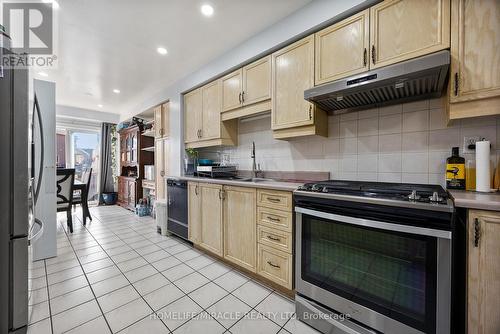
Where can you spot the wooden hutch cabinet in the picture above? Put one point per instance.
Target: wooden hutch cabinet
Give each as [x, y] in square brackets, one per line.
[133, 156]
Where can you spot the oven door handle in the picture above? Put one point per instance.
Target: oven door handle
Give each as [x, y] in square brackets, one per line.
[377, 224]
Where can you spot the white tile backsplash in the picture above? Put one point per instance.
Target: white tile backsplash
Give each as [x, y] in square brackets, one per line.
[400, 143]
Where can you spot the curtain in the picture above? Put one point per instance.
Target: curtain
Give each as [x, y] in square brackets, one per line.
[106, 184]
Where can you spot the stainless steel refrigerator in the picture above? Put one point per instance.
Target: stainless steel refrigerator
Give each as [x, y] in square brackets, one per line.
[14, 194]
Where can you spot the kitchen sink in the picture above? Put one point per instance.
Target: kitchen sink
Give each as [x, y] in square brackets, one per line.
[256, 179]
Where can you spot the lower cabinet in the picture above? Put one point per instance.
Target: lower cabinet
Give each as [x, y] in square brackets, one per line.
[127, 188]
[239, 216]
[229, 222]
[483, 272]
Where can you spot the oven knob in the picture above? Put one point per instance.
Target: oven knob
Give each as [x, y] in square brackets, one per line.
[435, 197]
[413, 196]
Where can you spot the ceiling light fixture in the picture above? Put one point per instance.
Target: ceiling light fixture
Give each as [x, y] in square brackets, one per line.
[43, 74]
[207, 10]
[116, 91]
[162, 51]
[100, 105]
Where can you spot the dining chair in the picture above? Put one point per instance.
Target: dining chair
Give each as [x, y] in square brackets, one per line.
[64, 181]
[82, 196]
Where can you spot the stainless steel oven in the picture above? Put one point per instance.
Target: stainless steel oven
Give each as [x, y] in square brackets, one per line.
[369, 266]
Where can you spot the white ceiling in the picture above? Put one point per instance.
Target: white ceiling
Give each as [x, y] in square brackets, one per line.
[108, 44]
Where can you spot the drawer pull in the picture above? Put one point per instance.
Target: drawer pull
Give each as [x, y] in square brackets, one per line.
[273, 265]
[270, 237]
[273, 219]
[274, 200]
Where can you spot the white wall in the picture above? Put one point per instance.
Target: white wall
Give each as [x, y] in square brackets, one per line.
[304, 20]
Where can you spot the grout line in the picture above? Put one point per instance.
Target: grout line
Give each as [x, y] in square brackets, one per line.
[48, 296]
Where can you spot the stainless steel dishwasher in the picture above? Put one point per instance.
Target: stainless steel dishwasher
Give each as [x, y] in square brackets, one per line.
[177, 198]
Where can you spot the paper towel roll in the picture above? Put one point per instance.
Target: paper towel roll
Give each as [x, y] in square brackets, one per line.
[483, 174]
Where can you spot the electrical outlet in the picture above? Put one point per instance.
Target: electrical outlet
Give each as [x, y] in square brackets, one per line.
[471, 140]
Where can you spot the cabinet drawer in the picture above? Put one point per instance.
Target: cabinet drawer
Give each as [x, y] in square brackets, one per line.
[281, 200]
[275, 265]
[274, 218]
[275, 238]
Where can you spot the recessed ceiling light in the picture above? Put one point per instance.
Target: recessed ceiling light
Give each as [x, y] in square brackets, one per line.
[100, 105]
[207, 10]
[43, 74]
[116, 91]
[162, 51]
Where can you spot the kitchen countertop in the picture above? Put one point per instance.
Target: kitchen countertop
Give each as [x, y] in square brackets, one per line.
[275, 185]
[474, 200]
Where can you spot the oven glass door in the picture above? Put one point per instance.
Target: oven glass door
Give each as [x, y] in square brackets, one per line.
[390, 272]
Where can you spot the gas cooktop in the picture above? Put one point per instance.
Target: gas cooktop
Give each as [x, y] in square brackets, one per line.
[398, 192]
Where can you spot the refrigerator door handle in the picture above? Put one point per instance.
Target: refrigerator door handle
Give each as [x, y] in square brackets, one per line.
[36, 110]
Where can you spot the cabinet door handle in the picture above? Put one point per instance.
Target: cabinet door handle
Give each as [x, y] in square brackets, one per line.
[273, 265]
[243, 96]
[239, 97]
[162, 173]
[477, 232]
[310, 112]
[196, 190]
[455, 90]
[373, 54]
[364, 57]
[273, 219]
[270, 237]
[274, 200]
[221, 194]
[201, 133]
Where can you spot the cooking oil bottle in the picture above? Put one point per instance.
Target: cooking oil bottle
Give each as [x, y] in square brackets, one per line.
[455, 171]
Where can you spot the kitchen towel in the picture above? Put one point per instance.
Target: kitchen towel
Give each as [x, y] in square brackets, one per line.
[483, 174]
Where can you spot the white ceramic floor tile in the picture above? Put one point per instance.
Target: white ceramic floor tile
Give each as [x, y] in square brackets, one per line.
[38, 312]
[177, 249]
[70, 299]
[108, 285]
[69, 285]
[163, 296]
[156, 256]
[178, 312]
[252, 293]
[132, 264]
[96, 265]
[93, 257]
[149, 324]
[75, 316]
[117, 298]
[166, 263]
[202, 323]
[231, 280]
[177, 272]
[62, 266]
[229, 310]
[214, 270]
[199, 262]
[187, 255]
[102, 274]
[150, 283]
[296, 326]
[191, 282]
[208, 295]
[277, 308]
[37, 283]
[118, 250]
[131, 254]
[127, 314]
[64, 275]
[140, 273]
[254, 323]
[95, 326]
[37, 296]
[41, 327]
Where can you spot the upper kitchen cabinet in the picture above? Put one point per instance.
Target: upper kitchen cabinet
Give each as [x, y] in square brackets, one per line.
[475, 58]
[342, 49]
[293, 72]
[202, 115]
[405, 29]
[247, 91]
[161, 116]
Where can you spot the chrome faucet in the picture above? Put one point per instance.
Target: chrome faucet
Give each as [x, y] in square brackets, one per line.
[255, 170]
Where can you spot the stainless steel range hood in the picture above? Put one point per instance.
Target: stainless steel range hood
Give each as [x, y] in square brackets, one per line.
[415, 79]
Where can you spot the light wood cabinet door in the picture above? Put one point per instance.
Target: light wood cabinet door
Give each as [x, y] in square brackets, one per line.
[405, 29]
[232, 86]
[193, 103]
[483, 273]
[240, 234]
[194, 212]
[160, 169]
[211, 218]
[165, 119]
[293, 72]
[257, 81]
[475, 50]
[342, 49]
[158, 121]
[211, 111]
